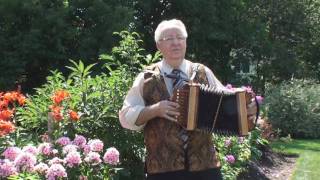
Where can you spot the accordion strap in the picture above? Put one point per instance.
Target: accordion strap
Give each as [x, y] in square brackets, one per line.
[217, 112]
[195, 69]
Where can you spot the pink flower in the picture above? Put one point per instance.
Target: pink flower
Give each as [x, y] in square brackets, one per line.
[7, 168]
[62, 141]
[227, 142]
[230, 159]
[69, 148]
[111, 156]
[25, 162]
[73, 159]
[240, 140]
[45, 148]
[248, 89]
[79, 141]
[93, 158]
[56, 160]
[86, 149]
[11, 153]
[229, 86]
[259, 99]
[30, 149]
[41, 168]
[96, 145]
[56, 171]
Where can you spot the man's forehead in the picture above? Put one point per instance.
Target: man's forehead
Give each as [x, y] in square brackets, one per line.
[171, 31]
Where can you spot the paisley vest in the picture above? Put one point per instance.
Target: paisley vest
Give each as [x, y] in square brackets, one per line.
[164, 145]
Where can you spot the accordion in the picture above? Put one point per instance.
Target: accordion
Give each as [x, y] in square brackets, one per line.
[209, 109]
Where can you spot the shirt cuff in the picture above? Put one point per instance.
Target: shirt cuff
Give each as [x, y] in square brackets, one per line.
[129, 116]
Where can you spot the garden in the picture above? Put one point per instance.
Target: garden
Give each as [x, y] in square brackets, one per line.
[66, 67]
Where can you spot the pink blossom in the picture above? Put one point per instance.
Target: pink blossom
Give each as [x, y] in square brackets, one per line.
[230, 159]
[111, 156]
[56, 160]
[96, 145]
[227, 142]
[55, 171]
[7, 168]
[86, 149]
[73, 159]
[248, 89]
[69, 148]
[30, 149]
[79, 141]
[259, 99]
[25, 162]
[229, 86]
[41, 168]
[93, 158]
[240, 140]
[11, 153]
[62, 141]
[45, 148]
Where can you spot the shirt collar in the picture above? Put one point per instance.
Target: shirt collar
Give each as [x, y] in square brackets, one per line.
[166, 68]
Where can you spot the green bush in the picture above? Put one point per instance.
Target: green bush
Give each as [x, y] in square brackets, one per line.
[294, 108]
[97, 100]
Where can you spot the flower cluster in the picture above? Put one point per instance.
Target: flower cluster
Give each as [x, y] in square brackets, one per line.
[8, 102]
[249, 90]
[58, 159]
[58, 110]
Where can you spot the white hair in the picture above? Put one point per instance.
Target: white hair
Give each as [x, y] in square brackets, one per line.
[169, 24]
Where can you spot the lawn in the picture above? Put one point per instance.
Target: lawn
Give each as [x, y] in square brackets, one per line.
[308, 163]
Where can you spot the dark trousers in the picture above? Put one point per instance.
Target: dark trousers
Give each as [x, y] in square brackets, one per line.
[210, 174]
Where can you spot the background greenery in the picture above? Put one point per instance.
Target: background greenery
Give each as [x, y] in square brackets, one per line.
[279, 38]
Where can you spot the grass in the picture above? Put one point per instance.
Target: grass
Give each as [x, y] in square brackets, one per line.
[308, 163]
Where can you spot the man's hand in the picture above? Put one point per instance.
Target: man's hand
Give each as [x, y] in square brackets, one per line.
[167, 109]
[252, 113]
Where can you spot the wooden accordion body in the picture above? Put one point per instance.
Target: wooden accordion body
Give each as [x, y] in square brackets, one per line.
[209, 110]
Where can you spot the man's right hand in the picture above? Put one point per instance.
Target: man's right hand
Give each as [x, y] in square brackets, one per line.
[167, 109]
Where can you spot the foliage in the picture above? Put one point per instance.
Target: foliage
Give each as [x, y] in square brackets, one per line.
[96, 100]
[280, 39]
[294, 108]
[235, 152]
[37, 36]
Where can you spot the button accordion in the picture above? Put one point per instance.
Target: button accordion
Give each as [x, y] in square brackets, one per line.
[212, 110]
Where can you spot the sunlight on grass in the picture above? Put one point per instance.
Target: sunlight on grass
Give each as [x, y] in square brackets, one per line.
[308, 163]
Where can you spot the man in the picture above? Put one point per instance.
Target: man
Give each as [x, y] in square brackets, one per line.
[172, 152]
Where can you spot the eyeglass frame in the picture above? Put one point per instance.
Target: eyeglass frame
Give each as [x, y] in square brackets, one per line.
[171, 39]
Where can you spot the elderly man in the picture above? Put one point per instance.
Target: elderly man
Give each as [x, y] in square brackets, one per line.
[172, 152]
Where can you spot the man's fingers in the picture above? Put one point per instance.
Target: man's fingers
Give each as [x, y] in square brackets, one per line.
[173, 113]
[170, 118]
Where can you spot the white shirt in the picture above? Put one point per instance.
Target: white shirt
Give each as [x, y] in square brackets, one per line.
[134, 102]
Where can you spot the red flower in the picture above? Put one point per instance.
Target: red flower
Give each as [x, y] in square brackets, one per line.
[56, 113]
[6, 127]
[73, 115]
[6, 114]
[4, 104]
[59, 96]
[21, 99]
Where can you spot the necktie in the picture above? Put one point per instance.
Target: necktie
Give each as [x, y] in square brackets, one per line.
[175, 75]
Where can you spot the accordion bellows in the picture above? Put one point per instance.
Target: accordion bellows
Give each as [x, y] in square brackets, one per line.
[209, 109]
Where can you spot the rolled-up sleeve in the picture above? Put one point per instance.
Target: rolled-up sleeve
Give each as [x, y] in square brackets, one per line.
[133, 105]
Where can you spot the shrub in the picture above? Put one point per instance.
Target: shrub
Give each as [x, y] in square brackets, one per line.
[294, 108]
[61, 158]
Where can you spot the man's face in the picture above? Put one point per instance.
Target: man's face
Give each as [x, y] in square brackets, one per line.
[172, 45]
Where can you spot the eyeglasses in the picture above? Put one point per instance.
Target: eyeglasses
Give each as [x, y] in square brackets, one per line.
[171, 39]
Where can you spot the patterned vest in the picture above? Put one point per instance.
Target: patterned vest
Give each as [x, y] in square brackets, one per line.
[164, 146]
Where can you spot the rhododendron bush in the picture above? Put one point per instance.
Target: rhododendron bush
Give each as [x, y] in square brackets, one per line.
[63, 158]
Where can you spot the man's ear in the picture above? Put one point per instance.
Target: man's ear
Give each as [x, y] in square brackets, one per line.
[158, 47]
